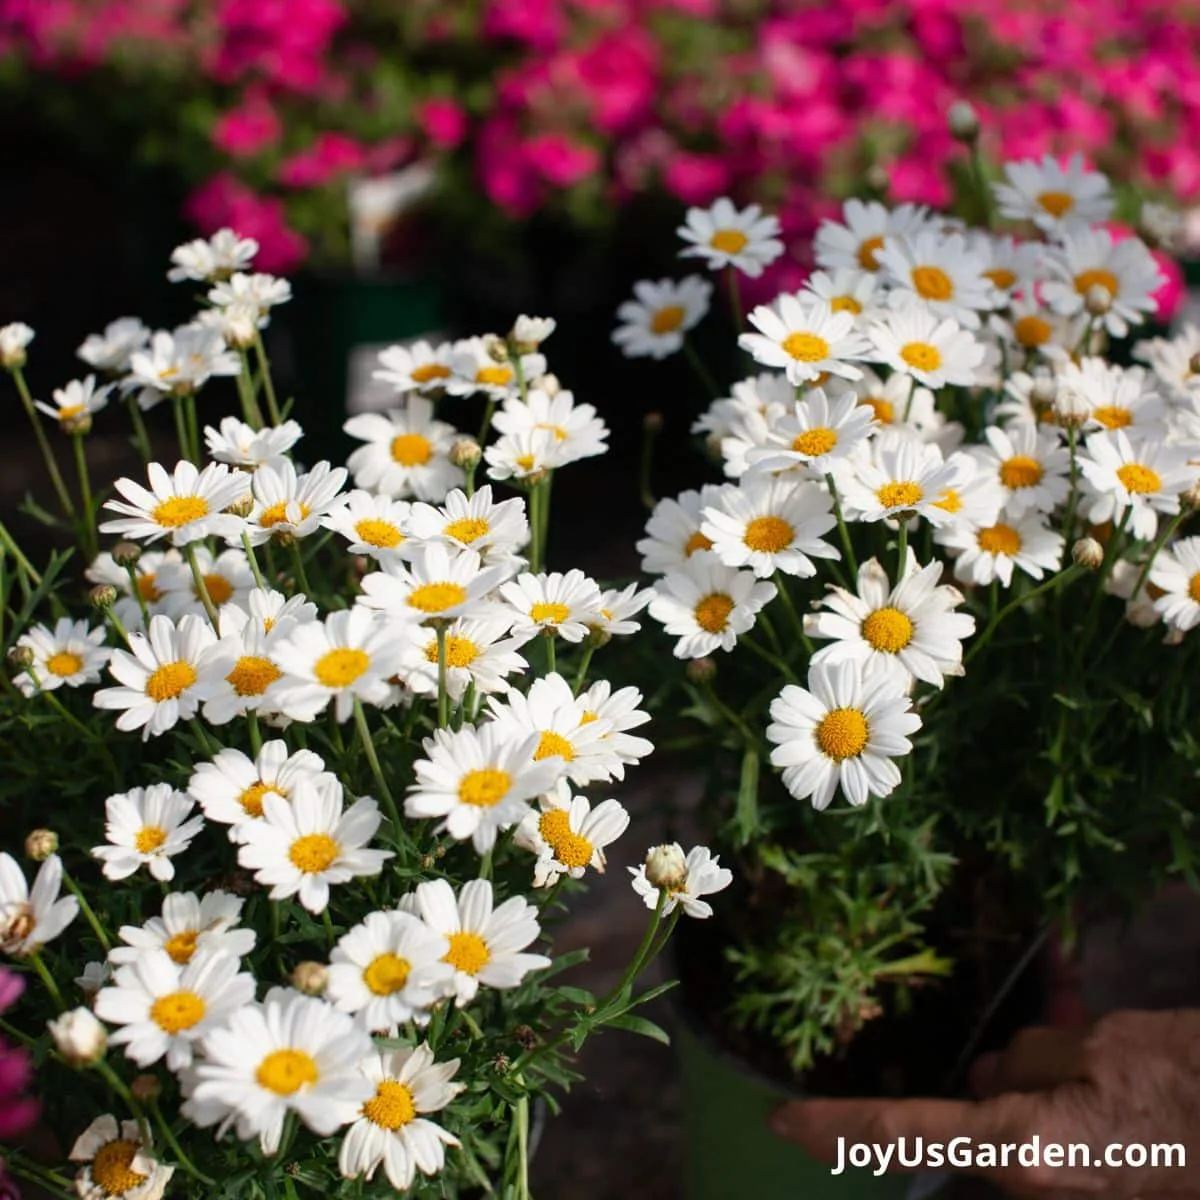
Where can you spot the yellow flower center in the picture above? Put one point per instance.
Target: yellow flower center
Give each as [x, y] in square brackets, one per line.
[1194, 587]
[1056, 203]
[556, 614]
[1098, 276]
[1112, 416]
[712, 613]
[181, 946]
[71, 410]
[1032, 331]
[729, 241]
[179, 510]
[251, 799]
[285, 1072]
[178, 1011]
[553, 744]
[553, 825]
[460, 651]
[1002, 277]
[147, 588]
[868, 253]
[64, 663]
[170, 680]
[468, 953]
[494, 376]
[696, 542]
[887, 629]
[112, 1170]
[436, 597]
[391, 1107]
[485, 787]
[845, 304]
[375, 532]
[768, 535]
[589, 717]
[525, 462]
[313, 853]
[220, 590]
[815, 441]
[340, 668]
[560, 434]
[411, 449]
[149, 838]
[252, 675]
[902, 494]
[950, 501]
[921, 356]
[843, 733]
[428, 372]
[932, 283]
[1139, 479]
[467, 529]
[667, 319]
[386, 973]
[570, 848]
[999, 539]
[1021, 471]
[806, 347]
[277, 514]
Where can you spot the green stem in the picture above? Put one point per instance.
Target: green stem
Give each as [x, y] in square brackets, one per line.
[64, 497]
[189, 552]
[141, 436]
[189, 409]
[86, 909]
[47, 979]
[1159, 542]
[1072, 499]
[485, 425]
[522, 1115]
[581, 673]
[901, 551]
[767, 657]
[981, 183]
[252, 559]
[843, 530]
[793, 615]
[169, 1137]
[254, 732]
[298, 561]
[87, 523]
[364, 737]
[735, 297]
[702, 372]
[136, 590]
[912, 391]
[1059, 580]
[117, 1084]
[551, 652]
[327, 921]
[251, 413]
[181, 431]
[26, 1168]
[650, 431]
[443, 690]
[8, 542]
[264, 365]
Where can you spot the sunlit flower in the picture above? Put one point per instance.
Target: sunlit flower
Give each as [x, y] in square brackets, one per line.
[376, 526]
[494, 530]
[188, 924]
[1171, 361]
[767, 395]
[942, 272]
[117, 1164]
[525, 455]
[618, 607]
[1053, 195]
[565, 605]
[478, 651]
[1176, 574]
[75, 401]
[656, 321]
[291, 505]
[848, 289]
[213, 258]
[987, 553]
[673, 530]
[111, 350]
[29, 918]
[258, 290]
[567, 839]
[619, 712]
[438, 583]
[702, 875]
[415, 367]
[241, 445]
[179, 364]
[146, 827]
[814, 434]
[903, 477]
[240, 669]
[1115, 397]
[1029, 464]
[473, 369]
[580, 433]
[723, 236]
[406, 452]
[69, 655]
[934, 351]
[184, 507]
[806, 338]
[857, 240]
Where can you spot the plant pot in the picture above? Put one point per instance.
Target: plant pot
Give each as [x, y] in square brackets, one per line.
[729, 1147]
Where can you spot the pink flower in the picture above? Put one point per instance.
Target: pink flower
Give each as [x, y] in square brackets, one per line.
[696, 178]
[618, 77]
[243, 132]
[539, 24]
[225, 201]
[560, 159]
[17, 1110]
[1171, 293]
[284, 41]
[443, 121]
[506, 180]
[332, 154]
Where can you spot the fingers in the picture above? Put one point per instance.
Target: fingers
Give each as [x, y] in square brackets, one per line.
[1035, 1060]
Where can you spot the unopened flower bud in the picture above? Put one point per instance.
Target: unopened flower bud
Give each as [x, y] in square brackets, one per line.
[126, 554]
[597, 636]
[652, 422]
[145, 1088]
[103, 596]
[1097, 300]
[496, 348]
[877, 178]
[311, 978]
[1088, 553]
[1190, 499]
[20, 658]
[242, 507]
[963, 121]
[549, 384]
[283, 537]
[528, 333]
[501, 1064]
[79, 424]
[701, 670]
[666, 867]
[79, 1037]
[1044, 390]
[465, 453]
[525, 1037]
[40, 844]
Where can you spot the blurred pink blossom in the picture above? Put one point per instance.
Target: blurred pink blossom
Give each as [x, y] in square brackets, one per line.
[243, 132]
[443, 121]
[224, 201]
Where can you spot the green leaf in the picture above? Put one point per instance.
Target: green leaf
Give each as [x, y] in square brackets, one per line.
[745, 814]
[579, 996]
[640, 1025]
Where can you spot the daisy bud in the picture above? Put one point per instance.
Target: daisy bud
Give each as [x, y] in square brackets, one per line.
[1044, 390]
[1191, 498]
[963, 121]
[495, 347]
[701, 670]
[528, 333]
[126, 554]
[652, 422]
[1088, 553]
[311, 978]
[597, 637]
[241, 508]
[14, 337]
[465, 453]
[1097, 300]
[525, 1037]
[427, 861]
[79, 1037]
[666, 867]
[77, 426]
[40, 844]
[20, 658]
[283, 537]
[103, 596]
[501, 1064]
[550, 385]
[146, 1088]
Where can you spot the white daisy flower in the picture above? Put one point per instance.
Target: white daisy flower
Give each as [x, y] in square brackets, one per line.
[77, 399]
[392, 1129]
[188, 924]
[258, 291]
[305, 842]
[768, 395]
[495, 531]
[1013, 264]
[771, 525]
[806, 338]
[576, 427]
[486, 943]
[619, 606]
[707, 604]
[231, 788]
[69, 655]
[1029, 463]
[1088, 258]
[975, 497]
[942, 271]
[910, 631]
[478, 651]
[848, 289]
[239, 670]
[673, 530]
[478, 781]
[1171, 361]
[654, 323]
[290, 505]
[1033, 328]
[95, 976]
[213, 258]
[473, 370]
[856, 241]
[990, 552]
[415, 367]
[526, 455]
[932, 350]
[1144, 476]
[14, 341]
[437, 583]
[406, 452]
[619, 711]
[387, 970]
[117, 1164]
[111, 350]
[179, 364]
[812, 435]
[375, 526]
[1115, 397]
[227, 578]
[1176, 574]
[528, 333]
[903, 476]
[185, 507]
[1141, 611]
[129, 612]
[241, 445]
[146, 827]
[1052, 195]
[568, 838]
[701, 874]
[351, 654]
[159, 675]
[842, 731]
[292, 1053]
[888, 401]
[566, 605]
[747, 240]
[29, 918]
[164, 1008]
[238, 324]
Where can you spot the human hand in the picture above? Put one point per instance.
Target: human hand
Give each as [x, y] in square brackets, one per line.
[1132, 1080]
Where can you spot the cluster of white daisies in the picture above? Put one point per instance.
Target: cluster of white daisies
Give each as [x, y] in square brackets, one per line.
[911, 314]
[445, 599]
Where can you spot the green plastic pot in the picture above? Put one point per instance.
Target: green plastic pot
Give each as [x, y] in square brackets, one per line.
[730, 1150]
